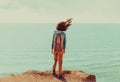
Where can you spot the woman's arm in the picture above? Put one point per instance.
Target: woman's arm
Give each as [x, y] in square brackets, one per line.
[52, 42]
[64, 41]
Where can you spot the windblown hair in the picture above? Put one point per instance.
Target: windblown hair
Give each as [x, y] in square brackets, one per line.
[63, 26]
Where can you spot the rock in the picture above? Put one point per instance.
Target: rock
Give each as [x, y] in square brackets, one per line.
[37, 76]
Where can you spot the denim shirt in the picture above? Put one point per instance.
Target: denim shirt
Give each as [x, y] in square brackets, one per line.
[64, 37]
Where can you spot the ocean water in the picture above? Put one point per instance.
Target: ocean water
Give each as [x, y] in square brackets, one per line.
[93, 48]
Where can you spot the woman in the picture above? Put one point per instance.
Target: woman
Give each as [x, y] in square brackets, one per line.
[59, 45]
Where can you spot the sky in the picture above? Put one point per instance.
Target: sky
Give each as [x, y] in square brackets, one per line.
[52, 11]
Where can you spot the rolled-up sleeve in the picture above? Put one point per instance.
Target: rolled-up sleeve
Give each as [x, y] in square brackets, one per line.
[53, 41]
[64, 41]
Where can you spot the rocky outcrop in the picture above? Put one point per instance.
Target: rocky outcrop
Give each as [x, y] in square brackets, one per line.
[37, 76]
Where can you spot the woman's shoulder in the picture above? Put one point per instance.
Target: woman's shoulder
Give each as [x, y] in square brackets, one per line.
[64, 33]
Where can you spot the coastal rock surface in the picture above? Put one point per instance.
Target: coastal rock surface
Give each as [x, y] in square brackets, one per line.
[37, 76]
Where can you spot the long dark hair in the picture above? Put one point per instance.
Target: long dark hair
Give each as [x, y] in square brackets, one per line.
[63, 25]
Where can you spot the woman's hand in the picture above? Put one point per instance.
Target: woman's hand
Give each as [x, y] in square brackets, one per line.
[52, 51]
[63, 51]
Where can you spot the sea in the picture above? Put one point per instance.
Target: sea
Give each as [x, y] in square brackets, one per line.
[92, 48]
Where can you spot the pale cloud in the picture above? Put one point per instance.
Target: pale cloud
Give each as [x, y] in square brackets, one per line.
[102, 11]
[4, 2]
[46, 11]
[7, 4]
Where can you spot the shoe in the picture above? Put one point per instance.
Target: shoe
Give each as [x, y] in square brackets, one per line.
[53, 72]
[60, 76]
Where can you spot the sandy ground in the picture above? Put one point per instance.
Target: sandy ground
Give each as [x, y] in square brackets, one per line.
[37, 76]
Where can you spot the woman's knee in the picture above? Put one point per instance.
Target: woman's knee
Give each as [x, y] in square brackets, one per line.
[60, 61]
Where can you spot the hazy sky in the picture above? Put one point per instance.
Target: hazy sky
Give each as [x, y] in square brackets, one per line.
[52, 11]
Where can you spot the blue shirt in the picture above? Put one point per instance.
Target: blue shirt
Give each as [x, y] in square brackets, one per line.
[64, 38]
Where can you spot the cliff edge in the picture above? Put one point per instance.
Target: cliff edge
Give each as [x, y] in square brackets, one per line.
[37, 76]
